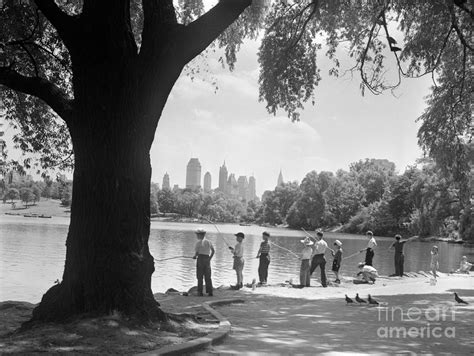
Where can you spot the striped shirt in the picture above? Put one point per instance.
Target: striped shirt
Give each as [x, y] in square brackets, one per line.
[265, 247]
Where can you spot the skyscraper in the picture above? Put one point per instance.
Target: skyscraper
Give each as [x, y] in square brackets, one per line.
[223, 178]
[243, 187]
[193, 174]
[280, 179]
[252, 194]
[232, 186]
[166, 182]
[207, 182]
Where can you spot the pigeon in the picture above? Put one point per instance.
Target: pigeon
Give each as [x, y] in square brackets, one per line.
[372, 301]
[360, 300]
[459, 300]
[349, 300]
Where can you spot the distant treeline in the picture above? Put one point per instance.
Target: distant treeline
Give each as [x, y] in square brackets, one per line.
[30, 192]
[370, 196]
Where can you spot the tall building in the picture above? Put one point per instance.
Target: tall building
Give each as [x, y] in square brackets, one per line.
[193, 174]
[252, 191]
[232, 186]
[243, 187]
[207, 182]
[223, 178]
[280, 179]
[166, 182]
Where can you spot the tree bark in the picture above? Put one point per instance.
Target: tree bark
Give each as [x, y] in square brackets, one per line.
[108, 264]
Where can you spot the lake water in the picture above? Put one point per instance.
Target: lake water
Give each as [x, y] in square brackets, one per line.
[32, 253]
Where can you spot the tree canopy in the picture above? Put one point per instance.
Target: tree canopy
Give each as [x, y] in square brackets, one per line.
[386, 40]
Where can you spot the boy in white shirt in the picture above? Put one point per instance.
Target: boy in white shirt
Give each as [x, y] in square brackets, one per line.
[239, 262]
[369, 250]
[368, 273]
[203, 252]
[305, 262]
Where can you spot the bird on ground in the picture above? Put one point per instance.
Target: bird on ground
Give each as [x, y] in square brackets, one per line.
[373, 301]
[360, 300]
[349, 300]
[459, 300]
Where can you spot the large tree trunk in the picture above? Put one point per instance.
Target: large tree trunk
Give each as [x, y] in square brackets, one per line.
[108, 263]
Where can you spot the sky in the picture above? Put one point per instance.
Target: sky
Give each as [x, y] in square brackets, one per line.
[231, 125]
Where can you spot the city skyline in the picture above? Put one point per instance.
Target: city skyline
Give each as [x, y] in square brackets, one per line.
[230, 124]
[241, 186]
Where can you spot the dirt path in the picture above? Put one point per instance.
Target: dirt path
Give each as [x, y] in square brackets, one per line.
[414, 317]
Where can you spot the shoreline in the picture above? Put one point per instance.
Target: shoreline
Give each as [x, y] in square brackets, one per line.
[160, 223]
[285, 320]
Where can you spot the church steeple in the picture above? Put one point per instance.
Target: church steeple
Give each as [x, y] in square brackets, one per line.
[280, 179]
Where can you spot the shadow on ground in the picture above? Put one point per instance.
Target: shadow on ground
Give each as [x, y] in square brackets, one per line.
[403, 324]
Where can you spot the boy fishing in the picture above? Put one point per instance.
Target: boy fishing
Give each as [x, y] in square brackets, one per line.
[238, 265]
[305, 275]
[264, 255]
[203, 253]
[336, 263]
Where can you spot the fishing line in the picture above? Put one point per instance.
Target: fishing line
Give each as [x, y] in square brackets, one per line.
[307, 233]
[354, 254]
[284, 249]
[220, 233]
[171, 258]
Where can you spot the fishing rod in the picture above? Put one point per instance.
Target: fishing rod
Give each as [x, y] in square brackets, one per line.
[311, 236]
[354, 254]
[219, 231]
[272, 243]
[307, 233]
[171, 258]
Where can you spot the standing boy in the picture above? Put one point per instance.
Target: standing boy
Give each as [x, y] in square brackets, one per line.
[238, 252]
[203, 253]
[369, 250]
[399, 258]
[305, 262]
[318, 257]
[434, 261]
[336, 263]
[264, 255]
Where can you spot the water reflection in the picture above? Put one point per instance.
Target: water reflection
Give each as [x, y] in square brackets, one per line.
[32, 256]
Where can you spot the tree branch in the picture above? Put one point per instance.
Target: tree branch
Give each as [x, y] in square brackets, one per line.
[39, 87]
[59, 19]
[460, 5]
[159, 17]
[454, 23]
[202, 32]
